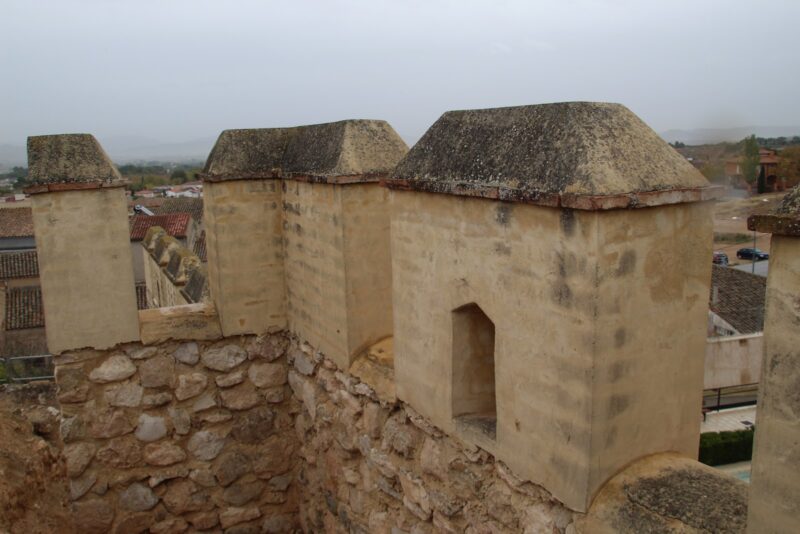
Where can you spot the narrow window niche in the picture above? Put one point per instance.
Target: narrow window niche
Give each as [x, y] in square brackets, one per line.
[474, 402]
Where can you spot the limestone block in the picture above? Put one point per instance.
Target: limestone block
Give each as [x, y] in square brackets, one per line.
[265, 375]
[128, 395]
[150, 428]
[138, 498]
[190, 385]
[230, 466]
[254, 426]
[206, 444]
[110, 423]
[78, 487]
[235, 515]
[157, 372]
[191, 321]
[241, 397]
[230, 379]
[243, 491]
[163, 453]
[78, 457]
[121, 453]
[187, 353]
[115, 368]
[223, 358]
[93, 516]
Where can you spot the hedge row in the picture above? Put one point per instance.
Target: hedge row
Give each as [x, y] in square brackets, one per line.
[719, 448]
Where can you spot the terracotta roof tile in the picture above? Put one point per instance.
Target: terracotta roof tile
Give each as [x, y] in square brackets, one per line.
[176, 224]
[738, 297]
[19, 265]
[192, 206]
[24, 308]
[16, 222]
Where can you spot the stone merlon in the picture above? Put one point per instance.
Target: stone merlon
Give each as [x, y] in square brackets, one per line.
[364, 150]
[69, 161]
[785, 220]
[583, 155]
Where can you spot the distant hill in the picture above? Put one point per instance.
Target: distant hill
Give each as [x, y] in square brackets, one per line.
[703, 136]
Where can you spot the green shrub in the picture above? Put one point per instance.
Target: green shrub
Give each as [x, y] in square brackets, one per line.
[727, 447]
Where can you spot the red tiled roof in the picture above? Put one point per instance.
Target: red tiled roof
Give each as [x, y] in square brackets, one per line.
[19, 265]
[16, 222]
[176, 224]
[24, 308]
[192, 206]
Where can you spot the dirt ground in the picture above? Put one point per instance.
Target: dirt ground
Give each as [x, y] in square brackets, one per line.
[34, 497]
[730, 217]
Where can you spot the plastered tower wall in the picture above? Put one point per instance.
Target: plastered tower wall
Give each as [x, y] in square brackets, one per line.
[330, 247]
[79, 212]
[574, 285]
[774, 503]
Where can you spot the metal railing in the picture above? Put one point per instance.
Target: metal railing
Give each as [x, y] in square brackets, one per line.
[21, 369]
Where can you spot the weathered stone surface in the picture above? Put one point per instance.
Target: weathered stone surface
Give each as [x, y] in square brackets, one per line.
[78, 456]
[230, 466]
[141, 353]
[167, 474]
[277, 524]
[242, 492]
[187, 353]
[279, 459]
[128, 395]
[181, 420]
[206, 444]
[190, 385]
[303, 363]
[268, 347]
[234, 515]
[204, 477]
[204, 402]
[214, 416]
[93, 516]
[157, 372]
[254, 426]
[72, 429]
[134, 523]
[203, 520]
[110, 424]
[241, 397]
[266, 375]
[223, 358]
[163, 453]
[155, 400]
[150, 428]
[168, 526]
[121, 453]
[115, 368]
[184, 496]
[72, 386]
[78, 487]
[274, 395]
[138, 498]
[280, 483]
[230, 379]
[197, 321]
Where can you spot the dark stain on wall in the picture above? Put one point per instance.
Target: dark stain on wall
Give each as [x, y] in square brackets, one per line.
[626, 263]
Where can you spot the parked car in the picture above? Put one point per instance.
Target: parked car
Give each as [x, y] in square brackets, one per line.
[750, 253]
[720, 258]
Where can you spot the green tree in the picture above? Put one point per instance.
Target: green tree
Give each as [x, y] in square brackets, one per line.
[789, 164]
[179, 176]
[751, 160]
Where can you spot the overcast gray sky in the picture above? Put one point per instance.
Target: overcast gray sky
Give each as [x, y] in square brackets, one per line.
[177, 70]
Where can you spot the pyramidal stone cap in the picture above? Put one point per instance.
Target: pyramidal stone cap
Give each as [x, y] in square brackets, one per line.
[785, 220]
[348, 151]
[69, 161]
[584, 155]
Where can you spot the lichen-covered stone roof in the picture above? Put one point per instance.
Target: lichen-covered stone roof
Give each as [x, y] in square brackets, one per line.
[543, 152]
[69, 159]
[790, 205]
[336, 149]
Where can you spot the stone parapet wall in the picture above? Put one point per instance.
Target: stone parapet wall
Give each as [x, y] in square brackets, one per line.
[180, 435]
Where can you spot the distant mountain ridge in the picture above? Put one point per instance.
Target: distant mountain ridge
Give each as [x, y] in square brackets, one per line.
[703, 136]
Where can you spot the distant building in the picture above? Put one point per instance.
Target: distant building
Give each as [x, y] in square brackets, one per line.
[736, 302]
[768, 160]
